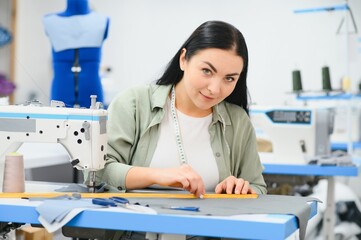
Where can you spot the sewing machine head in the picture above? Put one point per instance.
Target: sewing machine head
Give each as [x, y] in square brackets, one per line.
[82, 132]
[297, 134]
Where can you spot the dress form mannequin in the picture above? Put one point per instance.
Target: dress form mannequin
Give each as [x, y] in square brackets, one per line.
[76, 36]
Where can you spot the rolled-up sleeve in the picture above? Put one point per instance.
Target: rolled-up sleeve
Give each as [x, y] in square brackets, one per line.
[121, 139]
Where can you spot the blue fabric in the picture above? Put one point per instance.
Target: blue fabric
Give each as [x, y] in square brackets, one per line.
[76, 31]
[54, 210]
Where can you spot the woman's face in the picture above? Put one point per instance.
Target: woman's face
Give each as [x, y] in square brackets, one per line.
[209, 77]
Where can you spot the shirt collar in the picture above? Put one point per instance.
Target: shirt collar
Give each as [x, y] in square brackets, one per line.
[220, 113]
[159, 95]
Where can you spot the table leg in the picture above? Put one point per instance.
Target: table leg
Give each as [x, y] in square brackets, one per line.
[329, 217]
[163, 236]
[171, 237]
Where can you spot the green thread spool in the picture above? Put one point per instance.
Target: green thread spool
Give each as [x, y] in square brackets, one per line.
[296, 81]
[326, 79]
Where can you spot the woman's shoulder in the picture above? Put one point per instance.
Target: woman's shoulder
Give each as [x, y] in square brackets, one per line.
[234, 110]
[236, 115]
[238, 120]
[133, 92]
[142, 92]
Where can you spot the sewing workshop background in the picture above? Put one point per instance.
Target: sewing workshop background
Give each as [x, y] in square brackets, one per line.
[143, 35]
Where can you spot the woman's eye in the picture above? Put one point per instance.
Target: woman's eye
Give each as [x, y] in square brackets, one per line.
[230, 79]
[206, 71]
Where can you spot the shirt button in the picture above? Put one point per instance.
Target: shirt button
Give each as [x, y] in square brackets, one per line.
[218, 154]
[120, 188]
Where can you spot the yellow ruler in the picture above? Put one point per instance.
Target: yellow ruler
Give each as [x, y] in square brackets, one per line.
[125, 195]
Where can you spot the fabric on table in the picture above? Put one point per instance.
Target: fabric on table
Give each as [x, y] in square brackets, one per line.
[264, 204]
[82, 188]
[54, 210]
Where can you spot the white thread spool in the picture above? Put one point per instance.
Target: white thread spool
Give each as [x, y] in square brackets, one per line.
[14, 177]
[4, 101]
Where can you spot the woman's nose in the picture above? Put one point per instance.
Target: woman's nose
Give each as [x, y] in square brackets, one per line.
[214, 86]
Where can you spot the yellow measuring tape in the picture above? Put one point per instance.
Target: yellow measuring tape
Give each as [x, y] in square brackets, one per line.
[125, 195]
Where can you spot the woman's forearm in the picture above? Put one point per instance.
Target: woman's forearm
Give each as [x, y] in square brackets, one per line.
[140, 177]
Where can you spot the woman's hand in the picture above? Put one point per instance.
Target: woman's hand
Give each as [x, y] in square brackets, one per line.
[234, 185]
[183, 177]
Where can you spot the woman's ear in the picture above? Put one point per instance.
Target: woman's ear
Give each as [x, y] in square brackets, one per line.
[182, 58]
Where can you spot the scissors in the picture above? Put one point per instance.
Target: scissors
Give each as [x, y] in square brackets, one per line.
[111, 202]
[116, 202]
[123, 202]
[183, 208]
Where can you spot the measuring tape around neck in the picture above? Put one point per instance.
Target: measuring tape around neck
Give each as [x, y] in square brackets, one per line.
[181, 152]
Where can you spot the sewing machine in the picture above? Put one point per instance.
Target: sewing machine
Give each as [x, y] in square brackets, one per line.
[82, 132]
[345, 130]
[297, 134]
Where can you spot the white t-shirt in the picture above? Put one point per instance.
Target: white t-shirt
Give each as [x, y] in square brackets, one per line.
[196, 143]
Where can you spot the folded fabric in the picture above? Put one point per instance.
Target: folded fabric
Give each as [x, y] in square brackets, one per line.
[54, 210]
[58, 225]
[54, 213]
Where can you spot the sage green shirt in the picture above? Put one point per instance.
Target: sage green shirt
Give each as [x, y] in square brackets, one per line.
[133, 127]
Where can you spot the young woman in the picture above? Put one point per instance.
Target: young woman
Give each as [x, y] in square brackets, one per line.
[191, 129]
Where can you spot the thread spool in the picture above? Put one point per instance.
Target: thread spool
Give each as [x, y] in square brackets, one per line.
[4, 101]
[346, 84]
[14, 177]
[326, 79]
[296, 81]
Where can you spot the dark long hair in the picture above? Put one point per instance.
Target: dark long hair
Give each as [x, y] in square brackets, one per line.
[213, 34]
